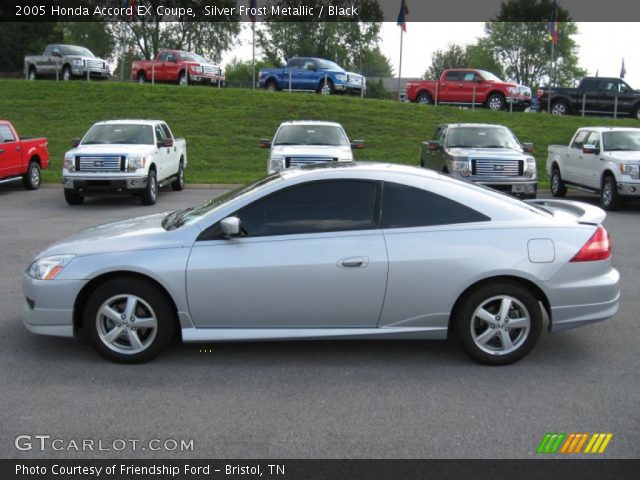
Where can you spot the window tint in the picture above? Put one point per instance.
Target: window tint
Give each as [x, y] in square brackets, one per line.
[159, 134]
[295, 63]
[314, 207]
[6, 135]
[589, 84]
[469, 76]
[454, 76]
[165, 129]
[593, 139]
[580, 138]
[404, 206]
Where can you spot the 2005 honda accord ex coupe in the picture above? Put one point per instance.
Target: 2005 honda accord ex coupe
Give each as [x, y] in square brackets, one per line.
[375, 251]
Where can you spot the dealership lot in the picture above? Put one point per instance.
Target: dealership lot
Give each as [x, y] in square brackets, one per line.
[307, 399]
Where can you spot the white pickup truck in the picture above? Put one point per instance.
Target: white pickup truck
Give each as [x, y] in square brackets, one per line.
[124, 156]
[601, 160]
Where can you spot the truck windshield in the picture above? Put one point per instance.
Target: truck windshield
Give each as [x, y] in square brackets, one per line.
[311, 135]
[489, 76]
[481, 137]
[192, 57]
[73, 50]
[328, 65]
[119, 133]
[621, 141]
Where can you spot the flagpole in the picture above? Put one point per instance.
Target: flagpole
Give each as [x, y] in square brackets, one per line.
[253, 58]
[400, 65]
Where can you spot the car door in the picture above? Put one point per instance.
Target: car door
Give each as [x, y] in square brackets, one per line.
[447, 89]
[164, 153]
[613, 91]
[159, 67]
[292, 71]
[461, 91]
[10, 153]
[438, 160]
[308, 75]
[574, 168]
[591, 165]
[311, 256]
[171, 67]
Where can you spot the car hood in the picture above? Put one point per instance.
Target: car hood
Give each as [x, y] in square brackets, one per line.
[91, 59]
[622, 155]
[112, 149]
[485, 152]
[312, 150]
[141, 233]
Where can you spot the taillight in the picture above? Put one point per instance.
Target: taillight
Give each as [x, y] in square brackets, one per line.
[597, 248]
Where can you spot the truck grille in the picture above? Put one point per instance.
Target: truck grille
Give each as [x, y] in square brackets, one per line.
[492, 167]
[357, 79]
[299, 161]
[210, 70]
[95, 64]
[100, 164]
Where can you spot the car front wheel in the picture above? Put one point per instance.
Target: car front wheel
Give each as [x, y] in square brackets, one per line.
[128, 320]
[609, 197]
[150, 194]
[498, 323]
[558, 187]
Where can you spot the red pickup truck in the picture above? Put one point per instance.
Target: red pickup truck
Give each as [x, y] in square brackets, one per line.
[468, 87]
[176, 66]
[21, 158]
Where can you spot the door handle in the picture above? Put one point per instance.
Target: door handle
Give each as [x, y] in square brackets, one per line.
[18, 149]
[353, 262]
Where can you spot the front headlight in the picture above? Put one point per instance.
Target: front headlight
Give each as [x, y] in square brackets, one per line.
[530, 167]
[69, 163]
[276, 164]
[77, 62]
[341, 77]
[136, 163]
[48, 268]
[630, 169]
[461, 166]
[512, 90]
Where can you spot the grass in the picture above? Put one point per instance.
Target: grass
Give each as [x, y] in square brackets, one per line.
[222, 126]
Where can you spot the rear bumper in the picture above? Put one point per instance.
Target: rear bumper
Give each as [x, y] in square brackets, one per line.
[106, 184]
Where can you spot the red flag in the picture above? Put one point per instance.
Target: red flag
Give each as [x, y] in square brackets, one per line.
[402, 21]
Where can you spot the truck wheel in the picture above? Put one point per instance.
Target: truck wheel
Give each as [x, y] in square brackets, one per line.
[142, 78]
[496, 102]
[150, 193]
[32, 73]
[326, 88]
[178, 183]
[636, 113]
[73, 198]
[272, 87]
[558, 187]
[425, 99]
[609, 198]
[31, 179]
[559, 108]
[183, 79]
[66, 73]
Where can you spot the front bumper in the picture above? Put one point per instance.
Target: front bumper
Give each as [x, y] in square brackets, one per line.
[93, 72]
[519, 101]
[106, 184]
[48, 305]
[207, 79]
[349, 87]
[629, 189]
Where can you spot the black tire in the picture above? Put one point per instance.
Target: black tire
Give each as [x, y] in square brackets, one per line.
[31, 180]
[271, 86]
[150, 194]
[178, 184]
[424, 99]
[610, 200]
[559, 107]
[66, 73]
[183, 79]
[496, 102]
[558, 187]
[142, 78]
[636, 112]
[73, 198]
[150, 303]
[326, 89]
[32, 75]
[471, 329]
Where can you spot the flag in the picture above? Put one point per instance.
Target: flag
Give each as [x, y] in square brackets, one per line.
[552, 32]
[252, 9]
[623, 70]
[404, 11]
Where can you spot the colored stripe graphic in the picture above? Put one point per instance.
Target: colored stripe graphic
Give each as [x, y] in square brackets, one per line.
[598, 443]
[551, 442]
[573, 443]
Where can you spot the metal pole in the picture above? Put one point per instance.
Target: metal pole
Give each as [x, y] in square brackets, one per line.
[26, 70]
[615, 106]
[511, 105]
[86, 64]
[289, 81]
[473, 99]
[400, 63]
[435, 101]
[253, 61]
[153, 72]
[584, 101]
[57, 69]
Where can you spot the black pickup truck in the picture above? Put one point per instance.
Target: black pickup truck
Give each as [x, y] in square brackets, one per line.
[599, 97]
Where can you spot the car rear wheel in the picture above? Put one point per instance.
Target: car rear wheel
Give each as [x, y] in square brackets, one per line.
[31, 179]
[150, 193]
[609, 197]
[128, 320]
[558, 187]
[425, 99]
[178, 184]
[142, 78]
[271, 87]
[498, 323]
[559, 108]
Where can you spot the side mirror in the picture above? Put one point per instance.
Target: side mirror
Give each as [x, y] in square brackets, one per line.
[264, 143]
[311, 67]
[590, 149]
[527, 147]
[75, 142]
[433, 145]
[56, 54]
[357, 144]
[230, 227]
[167, 142]
[478, 79]
[172, 59]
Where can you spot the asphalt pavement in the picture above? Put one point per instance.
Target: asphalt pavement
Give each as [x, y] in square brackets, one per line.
[313, 399]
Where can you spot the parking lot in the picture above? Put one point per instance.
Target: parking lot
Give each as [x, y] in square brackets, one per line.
[350, 399]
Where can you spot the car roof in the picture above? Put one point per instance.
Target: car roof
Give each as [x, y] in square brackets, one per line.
[610, 129]
[471, 125]
[130, 120]
[359, 167]
[310, 122]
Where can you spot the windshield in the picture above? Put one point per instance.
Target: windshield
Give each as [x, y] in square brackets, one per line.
[311, 135]
[184, 217]
[328, 65]
[621, 141]
[72, 50]
[119, 133]
[192, 57]
[489, 76]
[482, 137]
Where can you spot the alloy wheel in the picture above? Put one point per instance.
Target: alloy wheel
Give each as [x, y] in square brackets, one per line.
[500, 325]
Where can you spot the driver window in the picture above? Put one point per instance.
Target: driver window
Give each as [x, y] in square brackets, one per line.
[309, 65]
[159, 134]
[593, 139]
[580, 138]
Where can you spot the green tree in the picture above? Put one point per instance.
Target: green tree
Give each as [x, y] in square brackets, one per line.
[524, 49]
[454, 56]
[18, 39]
[96, 36]
[238, 72]
[372, 63]
[482, 56]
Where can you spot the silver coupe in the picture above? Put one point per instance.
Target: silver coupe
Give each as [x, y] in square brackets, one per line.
[376, 251]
